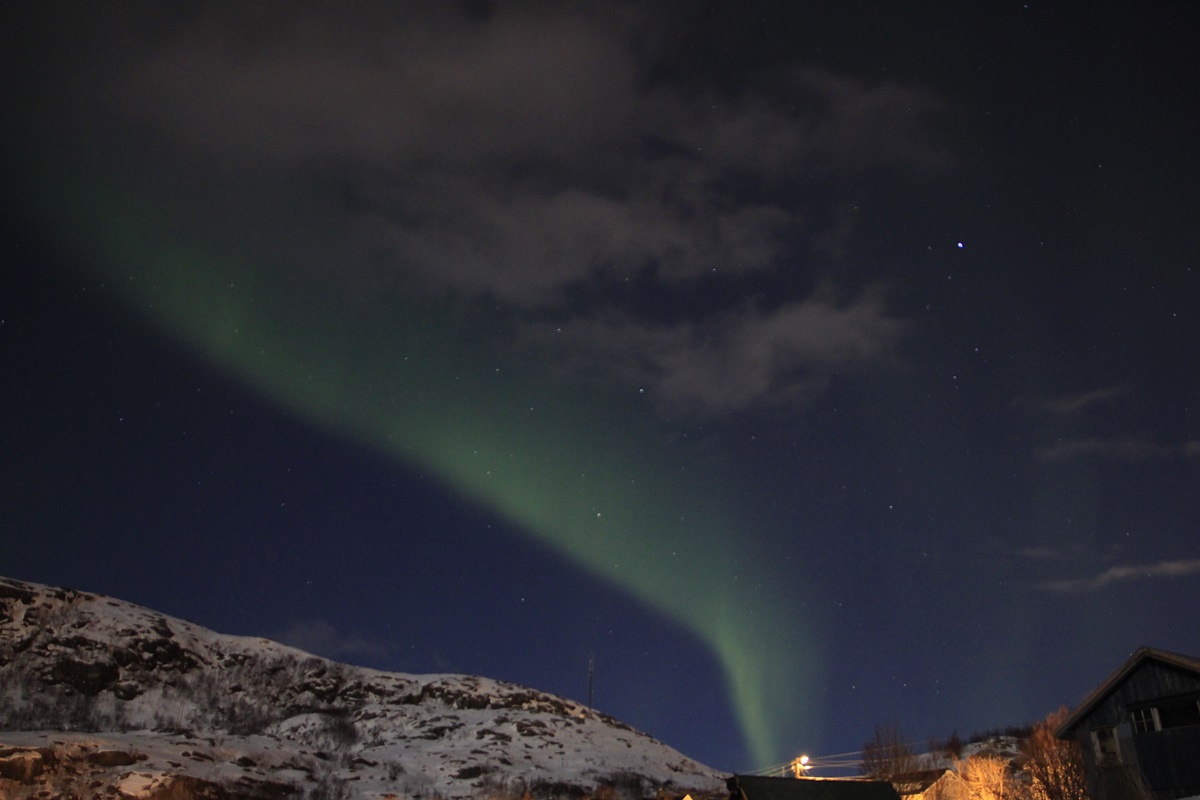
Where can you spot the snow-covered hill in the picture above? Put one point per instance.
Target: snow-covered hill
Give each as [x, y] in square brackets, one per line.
[100, 693]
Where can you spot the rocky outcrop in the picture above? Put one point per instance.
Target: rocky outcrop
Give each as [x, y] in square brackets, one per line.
[25, 764]
[81, 770]
[226, 716]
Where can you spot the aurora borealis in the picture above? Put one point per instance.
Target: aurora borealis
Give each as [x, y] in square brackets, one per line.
[627, 509]
[817, 337]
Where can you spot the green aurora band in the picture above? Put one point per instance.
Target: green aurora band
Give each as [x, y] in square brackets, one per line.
[572, 468]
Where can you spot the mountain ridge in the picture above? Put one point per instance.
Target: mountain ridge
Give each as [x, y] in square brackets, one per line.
[130, 679]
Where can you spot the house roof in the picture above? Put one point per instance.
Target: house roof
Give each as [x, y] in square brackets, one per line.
[1112, 681]
[923, 779]
[751, 787]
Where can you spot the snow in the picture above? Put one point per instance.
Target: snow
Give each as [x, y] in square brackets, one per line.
[223, 708]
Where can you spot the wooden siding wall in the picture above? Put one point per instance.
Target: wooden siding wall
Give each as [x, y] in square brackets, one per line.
[1170, 759]
[1152, 680]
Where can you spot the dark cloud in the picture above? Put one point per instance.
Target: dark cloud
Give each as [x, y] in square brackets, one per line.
[744, 359]
[811, 121]
[415, 85]
[532, 154]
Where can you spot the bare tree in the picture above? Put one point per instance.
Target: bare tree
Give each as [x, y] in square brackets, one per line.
[987, 778]
[889, 757]
[1055, 766]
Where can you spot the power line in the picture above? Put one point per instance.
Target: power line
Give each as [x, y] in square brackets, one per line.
[807, 764]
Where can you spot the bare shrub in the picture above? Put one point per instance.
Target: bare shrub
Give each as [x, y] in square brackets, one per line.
[889, 757]
[1055, 766]
[988, 777]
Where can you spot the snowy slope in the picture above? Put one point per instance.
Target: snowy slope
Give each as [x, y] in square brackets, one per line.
[180, 700]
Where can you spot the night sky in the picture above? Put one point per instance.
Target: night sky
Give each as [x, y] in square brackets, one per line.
[805, 366]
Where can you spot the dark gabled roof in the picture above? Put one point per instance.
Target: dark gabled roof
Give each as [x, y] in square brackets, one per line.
[751, 787]
[1102, 691]
[922, 779]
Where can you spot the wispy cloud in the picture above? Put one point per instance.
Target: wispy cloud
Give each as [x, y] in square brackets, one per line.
[1076, 402]
[1130, 449]
[1123, 573]
[321, 638]
[1039, 553]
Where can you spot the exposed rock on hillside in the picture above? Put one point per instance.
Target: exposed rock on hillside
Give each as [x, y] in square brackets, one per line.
[196, 713]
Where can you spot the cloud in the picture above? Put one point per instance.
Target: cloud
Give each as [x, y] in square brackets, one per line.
[528, 245]
[1134, 450]
[744, 359]
[1077, 402]
[1039, 553]
[1122, 573]
[810, 119]
[323, 639]
[1130, 449]
[523, 150]
[398, 85]
[533, 155]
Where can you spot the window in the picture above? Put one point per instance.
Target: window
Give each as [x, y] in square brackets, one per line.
[1105, 741]
[1144, 719]
[1174, 712]
[1179, 712]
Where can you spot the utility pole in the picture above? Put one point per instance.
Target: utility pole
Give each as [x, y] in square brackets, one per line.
[591, 676]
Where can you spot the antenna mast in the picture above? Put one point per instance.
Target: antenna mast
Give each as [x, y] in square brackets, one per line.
[591, 676]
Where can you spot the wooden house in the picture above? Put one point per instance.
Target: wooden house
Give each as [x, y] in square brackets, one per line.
[1140, 729]
[932, 784]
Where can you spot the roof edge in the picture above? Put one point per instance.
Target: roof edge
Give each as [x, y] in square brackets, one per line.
[1093, 699]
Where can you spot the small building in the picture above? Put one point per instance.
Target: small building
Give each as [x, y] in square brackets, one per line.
[1139, 730]
[932, 784]
[752, 787]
